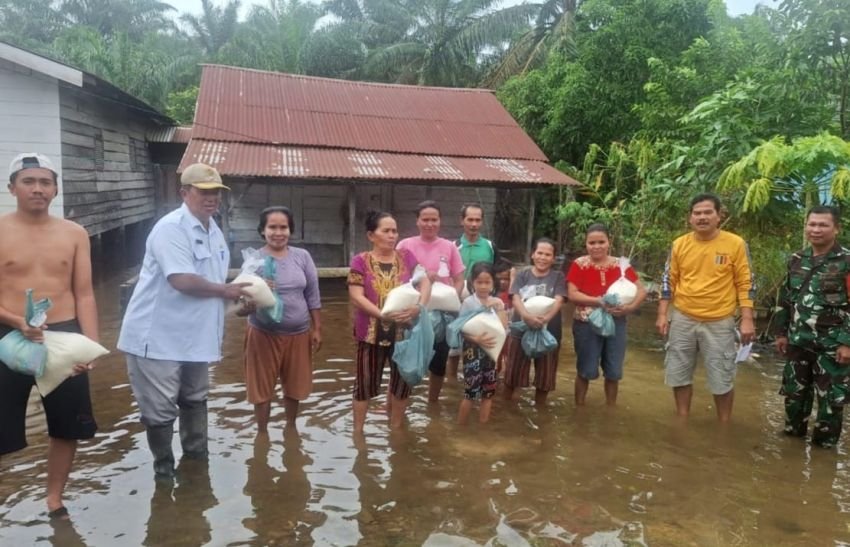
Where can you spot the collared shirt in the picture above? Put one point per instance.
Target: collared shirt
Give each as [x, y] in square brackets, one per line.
[482, 250]
[814, 310]
[163, 323]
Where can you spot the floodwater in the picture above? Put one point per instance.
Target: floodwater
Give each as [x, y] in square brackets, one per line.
[631, 475]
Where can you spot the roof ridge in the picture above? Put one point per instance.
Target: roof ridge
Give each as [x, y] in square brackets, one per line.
[480, 90]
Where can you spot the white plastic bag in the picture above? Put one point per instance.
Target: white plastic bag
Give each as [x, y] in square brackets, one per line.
[443, 298]
[64, 350]
[539, 305]
[624, 289]
[400, 298]
[487, 323]
[258, 290]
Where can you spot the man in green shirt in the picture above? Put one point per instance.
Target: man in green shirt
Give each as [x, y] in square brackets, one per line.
[473, 248]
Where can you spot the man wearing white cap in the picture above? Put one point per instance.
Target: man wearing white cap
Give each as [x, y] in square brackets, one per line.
[52, 256]
[174, 323]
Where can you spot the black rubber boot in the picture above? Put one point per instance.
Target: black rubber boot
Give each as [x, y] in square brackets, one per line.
[159, 441]
[193, 431]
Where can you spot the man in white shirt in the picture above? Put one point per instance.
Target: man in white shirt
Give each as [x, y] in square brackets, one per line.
[174, 323]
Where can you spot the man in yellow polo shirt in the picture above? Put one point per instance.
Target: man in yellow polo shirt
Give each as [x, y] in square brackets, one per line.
[707, 276]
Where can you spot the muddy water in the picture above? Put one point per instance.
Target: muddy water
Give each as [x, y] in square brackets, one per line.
[631, 475]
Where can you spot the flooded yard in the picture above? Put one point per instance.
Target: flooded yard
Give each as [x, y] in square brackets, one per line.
[630, 475]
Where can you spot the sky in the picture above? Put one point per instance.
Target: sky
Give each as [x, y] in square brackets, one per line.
[734, 7]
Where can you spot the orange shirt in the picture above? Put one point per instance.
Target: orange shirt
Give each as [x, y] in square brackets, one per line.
[706, 280]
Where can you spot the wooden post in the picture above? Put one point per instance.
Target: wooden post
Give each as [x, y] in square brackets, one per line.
[352, 220]
[530, 237]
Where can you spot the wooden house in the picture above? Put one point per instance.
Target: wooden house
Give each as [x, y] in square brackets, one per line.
[93, 132]
[333, 149]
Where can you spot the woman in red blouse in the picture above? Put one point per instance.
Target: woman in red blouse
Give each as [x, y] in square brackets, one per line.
[588, 279]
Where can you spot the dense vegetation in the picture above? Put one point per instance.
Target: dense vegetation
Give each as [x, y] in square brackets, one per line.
[644, 102]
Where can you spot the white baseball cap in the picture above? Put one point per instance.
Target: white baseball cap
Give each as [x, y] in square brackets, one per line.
[30, 160]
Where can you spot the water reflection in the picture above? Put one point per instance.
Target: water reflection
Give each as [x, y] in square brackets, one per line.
[177, 507]
[631, 475]
[280, 475]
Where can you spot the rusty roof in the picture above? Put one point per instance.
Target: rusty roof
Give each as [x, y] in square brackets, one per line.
[304, 162]
[171, 134]
[255, 123]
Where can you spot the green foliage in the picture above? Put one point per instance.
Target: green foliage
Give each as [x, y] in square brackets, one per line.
[334, 51]
[435, 42]
[214, 26]
[273, 36]
[181, 105]
[553, 32]
[806, 172]
[148, 70]
[819, 37]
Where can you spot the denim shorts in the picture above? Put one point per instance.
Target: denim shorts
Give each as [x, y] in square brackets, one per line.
[593, 350]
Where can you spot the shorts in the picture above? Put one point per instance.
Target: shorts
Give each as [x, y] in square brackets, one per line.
[437, 366]
[479, 373]
[371, 360]
[518, 367]
[269, 356]
[68, 408]
[593, 350]
[715, 340]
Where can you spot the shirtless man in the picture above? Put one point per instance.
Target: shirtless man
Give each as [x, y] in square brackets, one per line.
[52, 256]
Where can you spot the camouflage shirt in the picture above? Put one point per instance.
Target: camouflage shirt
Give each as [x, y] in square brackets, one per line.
[815, 312]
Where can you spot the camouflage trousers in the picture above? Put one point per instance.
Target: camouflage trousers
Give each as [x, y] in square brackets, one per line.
[807, 374]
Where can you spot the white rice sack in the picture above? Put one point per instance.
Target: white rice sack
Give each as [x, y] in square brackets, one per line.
[625, 290]
[487, 323]
[400, 298]
[444, 298]
[258, 290]
[539, 305]
[64, 350]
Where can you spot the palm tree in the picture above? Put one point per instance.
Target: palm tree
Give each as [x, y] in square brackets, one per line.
[29, 23]
[215, 26]
[133, 17]
[148, 69]
[553, 30]
[442, 40]
[273, 36]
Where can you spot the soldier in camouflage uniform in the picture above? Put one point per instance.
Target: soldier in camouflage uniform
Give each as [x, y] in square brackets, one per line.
[814, 331]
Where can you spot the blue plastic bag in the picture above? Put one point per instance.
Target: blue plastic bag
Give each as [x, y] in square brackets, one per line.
[454, 336]
[17, 351]
[439, 321]
[273, 314]
[601, 322]
[413, 354]
[535, 342]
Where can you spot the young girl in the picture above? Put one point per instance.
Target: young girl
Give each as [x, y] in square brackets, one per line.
[538, 280]
[589, 278]
[504, 275]
[479, 370]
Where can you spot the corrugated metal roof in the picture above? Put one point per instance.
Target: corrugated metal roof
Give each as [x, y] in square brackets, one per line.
[172, 134]
[302, 162]
[252, 106]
